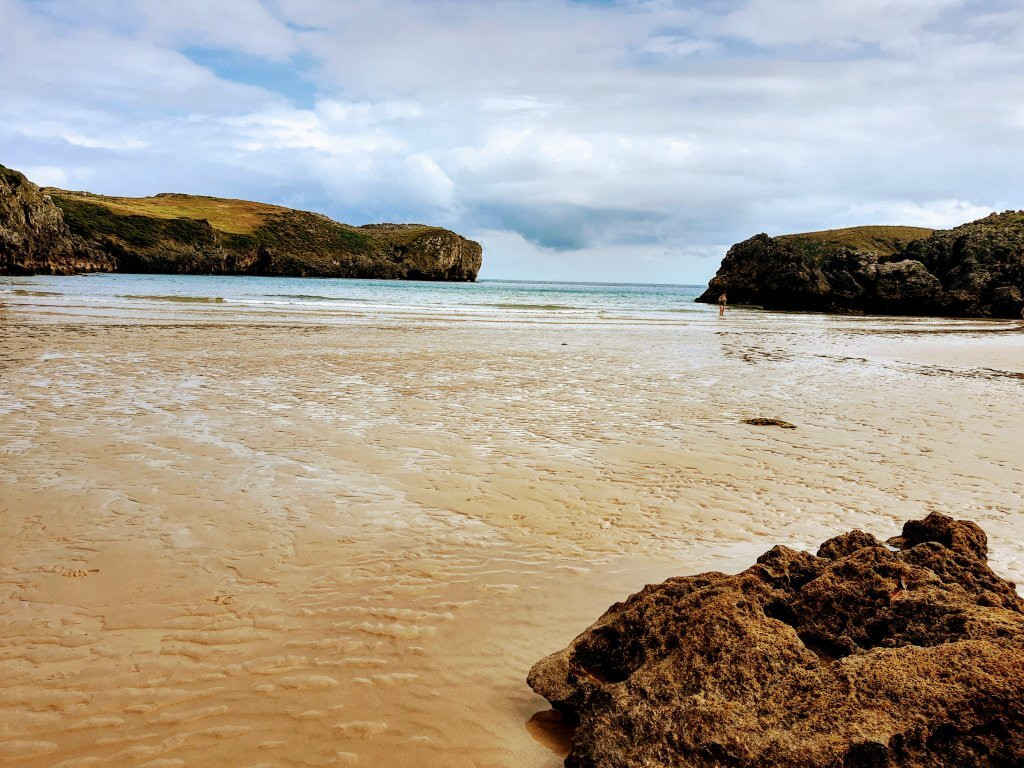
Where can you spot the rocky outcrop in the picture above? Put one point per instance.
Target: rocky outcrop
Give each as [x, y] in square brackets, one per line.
[428, 253]
[980, 265]
[864, 656]
[974, 270]
[33, 236]
[61, 232]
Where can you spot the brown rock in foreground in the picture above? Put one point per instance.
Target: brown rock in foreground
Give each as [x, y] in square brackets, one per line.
[864, 656]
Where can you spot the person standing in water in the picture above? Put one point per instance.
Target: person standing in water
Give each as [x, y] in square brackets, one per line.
[721, 304]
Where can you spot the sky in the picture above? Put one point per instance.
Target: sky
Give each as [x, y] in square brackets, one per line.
[596, 140]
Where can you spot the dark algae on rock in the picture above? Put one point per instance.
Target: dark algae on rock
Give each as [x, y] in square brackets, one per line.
[867, 655]
[974, 270]
[54, 231]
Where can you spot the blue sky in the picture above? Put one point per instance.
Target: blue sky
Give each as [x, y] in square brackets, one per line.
[620, 141]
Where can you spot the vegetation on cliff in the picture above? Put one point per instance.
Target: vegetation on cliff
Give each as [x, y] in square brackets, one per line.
[883, 240]
[176, 233]
[974, 270]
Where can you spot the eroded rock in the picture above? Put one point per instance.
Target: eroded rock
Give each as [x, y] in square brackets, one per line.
[906, 655]
[33, 237]
[974, 270]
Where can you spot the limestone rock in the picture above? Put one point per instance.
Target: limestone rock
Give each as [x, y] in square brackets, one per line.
[902, 656]
[33, 236]
[906, 281]
[974, 270]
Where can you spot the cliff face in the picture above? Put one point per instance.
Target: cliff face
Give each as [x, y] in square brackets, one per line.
[424, 252]
[61, 232]
[980, 265]
[33, 237]
[974, 270]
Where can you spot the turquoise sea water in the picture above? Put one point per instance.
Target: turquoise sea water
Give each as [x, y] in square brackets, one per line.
[504, 298]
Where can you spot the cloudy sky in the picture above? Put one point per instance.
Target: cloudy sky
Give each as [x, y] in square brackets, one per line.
[599, 140]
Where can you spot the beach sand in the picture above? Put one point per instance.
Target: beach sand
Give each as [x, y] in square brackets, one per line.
[240, 539]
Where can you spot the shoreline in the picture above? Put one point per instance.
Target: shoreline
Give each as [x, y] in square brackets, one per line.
[238, 538]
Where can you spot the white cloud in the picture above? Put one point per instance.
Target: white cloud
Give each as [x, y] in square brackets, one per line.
[834, 22]
[90, 137]
[510, 256]
[298, 129]
[430, 180]
[240, 25]
[677, 45]
[529, 106]
[47, 175]
[633, 133]
[935, 214]
[341, 112]
[246, 26]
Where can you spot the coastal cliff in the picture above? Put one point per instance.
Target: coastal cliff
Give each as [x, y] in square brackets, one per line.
[974, 270]
[866, 655]
[54, 231]
[33, 236]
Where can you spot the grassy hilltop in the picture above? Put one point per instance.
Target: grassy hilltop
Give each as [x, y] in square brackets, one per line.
[883, 240]
[973, 270]
[178, 233]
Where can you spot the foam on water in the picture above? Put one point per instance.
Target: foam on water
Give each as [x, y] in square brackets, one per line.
[486, 297]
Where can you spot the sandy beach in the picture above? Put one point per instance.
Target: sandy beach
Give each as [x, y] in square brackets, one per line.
[241, 538]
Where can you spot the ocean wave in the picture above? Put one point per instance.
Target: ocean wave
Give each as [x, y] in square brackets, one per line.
[178, 299]
[511, 305]
[308, 297]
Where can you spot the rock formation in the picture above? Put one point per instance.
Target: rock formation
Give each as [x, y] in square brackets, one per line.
[33, 236]
[974, 270]
[864, 656]
[762, 421]
[54, 231]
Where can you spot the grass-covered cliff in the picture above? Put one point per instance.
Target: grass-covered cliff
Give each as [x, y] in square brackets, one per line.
[974, 270]
[883, 240]
[187, 234]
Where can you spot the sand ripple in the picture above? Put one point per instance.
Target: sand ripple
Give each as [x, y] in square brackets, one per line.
[237, 541]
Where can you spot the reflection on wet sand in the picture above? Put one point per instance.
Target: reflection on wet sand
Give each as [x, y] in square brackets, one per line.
[248, 539]
[548, 728]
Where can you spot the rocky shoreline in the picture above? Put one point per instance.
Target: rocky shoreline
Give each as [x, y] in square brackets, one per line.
[53, 231]
[974, 270]
[903, 654]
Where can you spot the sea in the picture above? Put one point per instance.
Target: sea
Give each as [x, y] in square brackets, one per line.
[323, 298]
[116, 297]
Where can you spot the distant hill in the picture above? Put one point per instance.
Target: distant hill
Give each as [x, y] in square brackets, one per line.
[60, 232]
[883, 240]
[974, 270]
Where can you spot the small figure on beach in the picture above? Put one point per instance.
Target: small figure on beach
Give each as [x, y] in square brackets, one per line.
[721, 304]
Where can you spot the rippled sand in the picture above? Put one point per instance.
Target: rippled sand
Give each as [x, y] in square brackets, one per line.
[241, 539]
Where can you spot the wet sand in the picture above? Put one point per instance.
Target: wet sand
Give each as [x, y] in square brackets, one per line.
[235, 538]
